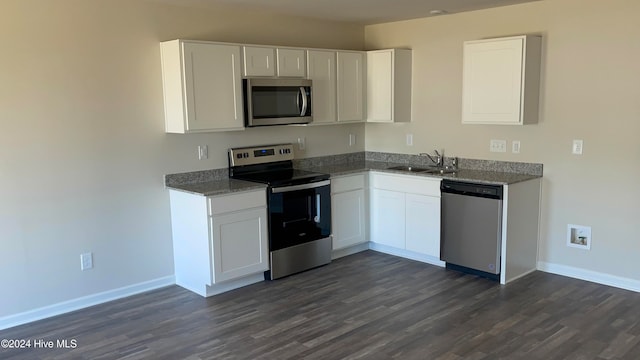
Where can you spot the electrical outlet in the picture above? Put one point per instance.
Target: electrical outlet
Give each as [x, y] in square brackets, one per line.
[203, 152]
[409, 139]
[498, 146]
[301, 143]
[515, 146]
[352, 139]
[86, 261]
[577, 147]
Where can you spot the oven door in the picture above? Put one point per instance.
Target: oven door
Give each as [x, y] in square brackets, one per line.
[299, 214]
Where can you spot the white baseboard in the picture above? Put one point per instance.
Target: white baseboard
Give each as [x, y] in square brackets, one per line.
[83, 302]
[589, 275]
[406, 254]
[336, 254]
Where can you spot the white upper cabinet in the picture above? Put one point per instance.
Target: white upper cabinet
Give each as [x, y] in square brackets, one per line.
[321, 67]
[350, 86]
[291, 62]
[389, 85]
[501, 81]
[202, 86]
[259, 61]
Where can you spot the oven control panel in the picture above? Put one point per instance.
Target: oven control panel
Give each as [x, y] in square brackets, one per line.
[260, 154]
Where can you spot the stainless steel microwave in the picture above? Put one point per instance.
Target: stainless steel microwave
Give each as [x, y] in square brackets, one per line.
[277, 101]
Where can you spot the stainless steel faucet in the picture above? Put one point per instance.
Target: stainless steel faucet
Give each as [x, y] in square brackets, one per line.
[437, 159]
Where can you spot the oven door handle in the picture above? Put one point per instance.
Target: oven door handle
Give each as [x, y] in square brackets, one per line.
[312, 185]
[317, 217]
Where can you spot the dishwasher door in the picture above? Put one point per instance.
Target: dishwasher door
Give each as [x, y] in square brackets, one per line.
[471, 227]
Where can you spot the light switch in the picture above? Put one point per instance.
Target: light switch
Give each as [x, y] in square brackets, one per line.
[203, 152]
[515, 146]
[577, 147]
[352, 139]
[409, 139]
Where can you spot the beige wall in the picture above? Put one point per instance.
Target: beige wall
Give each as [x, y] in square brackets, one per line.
[590, 91]
[83, 149]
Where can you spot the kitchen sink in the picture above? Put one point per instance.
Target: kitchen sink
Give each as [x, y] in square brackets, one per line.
[441, 171]
[408, 168]
[428, 170]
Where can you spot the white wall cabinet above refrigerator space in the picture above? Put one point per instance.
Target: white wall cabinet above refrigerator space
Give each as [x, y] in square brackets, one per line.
[202, 85]
[389, 85]
[501, 80]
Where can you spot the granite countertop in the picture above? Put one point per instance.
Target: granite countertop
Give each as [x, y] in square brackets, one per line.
[476, 176]
[227, 186]
[216, 181]
[217, 187]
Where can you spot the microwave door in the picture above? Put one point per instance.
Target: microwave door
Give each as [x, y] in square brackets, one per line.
[275, 102]
[270, 102]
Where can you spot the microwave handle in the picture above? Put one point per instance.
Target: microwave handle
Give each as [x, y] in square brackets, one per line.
[303, 94]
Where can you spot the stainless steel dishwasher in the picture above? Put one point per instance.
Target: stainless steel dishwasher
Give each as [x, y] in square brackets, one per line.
[471, 227]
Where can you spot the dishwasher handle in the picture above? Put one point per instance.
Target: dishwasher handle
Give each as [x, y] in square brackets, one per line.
[472, 189]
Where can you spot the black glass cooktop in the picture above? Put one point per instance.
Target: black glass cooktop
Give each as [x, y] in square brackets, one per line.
[281, 177]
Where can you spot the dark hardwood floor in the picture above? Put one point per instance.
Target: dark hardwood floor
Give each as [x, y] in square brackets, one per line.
[365, 306]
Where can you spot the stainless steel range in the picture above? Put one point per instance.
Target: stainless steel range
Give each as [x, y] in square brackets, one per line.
[299, 204]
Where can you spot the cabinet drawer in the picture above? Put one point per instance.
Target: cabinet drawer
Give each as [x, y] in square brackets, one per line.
[406, 183]
[347, 183]
[237, 201]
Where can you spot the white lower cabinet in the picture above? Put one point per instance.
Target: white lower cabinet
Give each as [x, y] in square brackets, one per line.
[348, 211]
[239, 244]
[388, 218]
[422, 227]
[220, 242]
[405, 216]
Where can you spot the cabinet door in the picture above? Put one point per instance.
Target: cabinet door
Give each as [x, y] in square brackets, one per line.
[322, 71]
[348, 222]
[213, 87]
[291, 63]
[239, 244]
[388, 218]
[380, 86]
[389, 85]
[492, 81]
[423, 224]
[350, 86]
[259, 61]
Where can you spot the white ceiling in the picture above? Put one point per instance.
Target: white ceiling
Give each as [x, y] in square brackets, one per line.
[356, 11]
